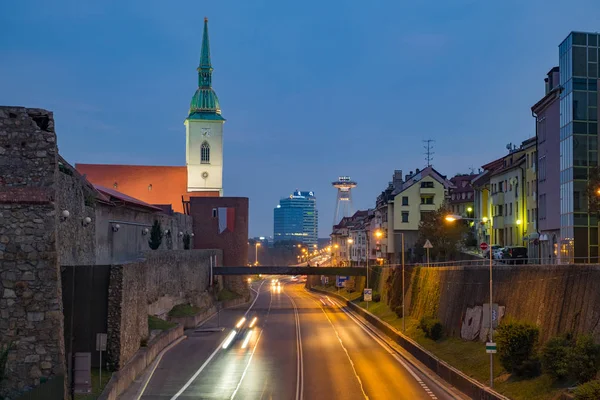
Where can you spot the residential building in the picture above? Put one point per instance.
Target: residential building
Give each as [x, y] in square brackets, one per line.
[420, 193]
[547, 114]
[504, 186]
[578, 61]
[296, 218]
[349, 252]
[384, 219]
[461, 196]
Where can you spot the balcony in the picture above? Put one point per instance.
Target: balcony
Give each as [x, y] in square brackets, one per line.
[430, 190]
[498, 198]
[427, 207]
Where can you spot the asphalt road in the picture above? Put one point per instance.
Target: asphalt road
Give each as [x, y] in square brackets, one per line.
[305, 346]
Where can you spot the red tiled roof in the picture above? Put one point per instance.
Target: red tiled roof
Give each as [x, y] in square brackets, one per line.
[150, 184]
[114, 195]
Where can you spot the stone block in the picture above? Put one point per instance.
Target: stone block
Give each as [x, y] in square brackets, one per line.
[35, 372]
[35, 316]
[9, 294]
[45, 365]
[39, 349]
[32, 358]
[28, 276]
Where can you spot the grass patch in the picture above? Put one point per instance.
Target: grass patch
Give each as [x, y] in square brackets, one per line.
[469, 357]
[342, 292]
[97, 386]
[226, 294]
[184, 310]
[155, 323]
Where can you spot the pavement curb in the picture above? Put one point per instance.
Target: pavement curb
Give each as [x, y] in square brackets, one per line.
[428, 363]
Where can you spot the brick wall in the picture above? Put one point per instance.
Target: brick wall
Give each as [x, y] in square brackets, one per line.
[30, 289]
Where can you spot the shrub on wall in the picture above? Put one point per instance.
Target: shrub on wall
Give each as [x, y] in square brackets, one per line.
[555, 356]
[588, 391]
[4, 349]
[517, 342]
[585, 359]
[155, 235]
[432, 327]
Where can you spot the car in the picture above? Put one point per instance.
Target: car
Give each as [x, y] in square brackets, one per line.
[497, 254]
[492, 248]
[515, 254]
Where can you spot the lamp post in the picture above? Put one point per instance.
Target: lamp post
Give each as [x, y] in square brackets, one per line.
[256, 246]
[349, 241]
[452, 218]
[378, 235]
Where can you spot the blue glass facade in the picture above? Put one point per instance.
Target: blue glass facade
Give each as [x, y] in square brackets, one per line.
[578, 55]
[296, 218]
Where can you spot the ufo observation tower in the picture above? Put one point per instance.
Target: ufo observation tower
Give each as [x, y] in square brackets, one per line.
[343, 205]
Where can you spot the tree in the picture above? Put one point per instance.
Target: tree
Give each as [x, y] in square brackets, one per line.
[155, 235]
[446, 237]
[555, 356]
[585, 359]
[517, 344]
[593, 190]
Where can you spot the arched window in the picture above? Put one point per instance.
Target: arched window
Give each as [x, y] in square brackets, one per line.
[205, 153]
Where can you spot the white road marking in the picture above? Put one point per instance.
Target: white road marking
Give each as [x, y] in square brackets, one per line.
[385, 346]
[208, 360]
[299, 355]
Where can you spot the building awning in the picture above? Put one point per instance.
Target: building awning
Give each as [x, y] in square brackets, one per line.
[544, 237]
[532, 236]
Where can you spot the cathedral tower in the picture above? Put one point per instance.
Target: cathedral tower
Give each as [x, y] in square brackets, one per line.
[204, 131]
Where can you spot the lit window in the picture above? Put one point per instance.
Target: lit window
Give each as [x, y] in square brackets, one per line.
[150, 187]
[115, 185]
[205, 153]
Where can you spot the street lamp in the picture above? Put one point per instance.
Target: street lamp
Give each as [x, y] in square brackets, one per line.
[451, 218]
[256, 246]
[349, 241]
[377, 234]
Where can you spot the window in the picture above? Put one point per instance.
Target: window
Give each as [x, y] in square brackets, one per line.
[214, 213]
[500, 210]
[517, 209]
[542, 171]
[404, 200]
[424, 215]
[510, 208]
[205, 153]
[404, 216]
[150, 187]
[427, 200]
[427, 185]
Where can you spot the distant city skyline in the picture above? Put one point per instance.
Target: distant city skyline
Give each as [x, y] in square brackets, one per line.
[464, 74]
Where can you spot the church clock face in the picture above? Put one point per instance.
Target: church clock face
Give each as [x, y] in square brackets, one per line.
[206, 132]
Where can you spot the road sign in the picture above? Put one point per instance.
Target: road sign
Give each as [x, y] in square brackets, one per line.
[483, 246]
[490, 347]
[428, 245]
[368, 294]
[340, 281]
[101, 342]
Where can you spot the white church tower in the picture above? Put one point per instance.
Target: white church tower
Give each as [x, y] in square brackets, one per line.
[204, 131]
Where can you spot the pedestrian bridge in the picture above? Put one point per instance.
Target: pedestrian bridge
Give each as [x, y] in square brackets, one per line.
[342, 271]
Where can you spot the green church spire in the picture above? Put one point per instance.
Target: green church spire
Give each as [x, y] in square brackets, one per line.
[205, 103]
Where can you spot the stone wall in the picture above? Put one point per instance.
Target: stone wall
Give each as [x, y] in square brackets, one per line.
[164, 278]
[30, 303]
[557, 298]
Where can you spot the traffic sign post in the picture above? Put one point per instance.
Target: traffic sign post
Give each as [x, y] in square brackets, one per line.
[483, 246]
[101, 346]
[368, 295]
[427, 246]
[490, 347]
[340, 281]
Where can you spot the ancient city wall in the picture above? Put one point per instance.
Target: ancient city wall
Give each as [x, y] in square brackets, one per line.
[30, 290]
[153, 286]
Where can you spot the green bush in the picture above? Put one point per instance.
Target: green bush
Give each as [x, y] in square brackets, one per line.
[376, 297]
[588, 391]
[432, 327]
[398, 311]
[156, 235]
[517, 343]
[585, 359]
[555, 356]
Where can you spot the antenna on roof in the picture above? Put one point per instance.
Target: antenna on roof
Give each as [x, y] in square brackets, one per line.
[428, 151]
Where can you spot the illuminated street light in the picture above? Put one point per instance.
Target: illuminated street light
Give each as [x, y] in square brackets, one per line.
[452, 218]
[350, 241]
[519, 222]
[378, 234]
[335, 246]
[469, 209]
[484, 219]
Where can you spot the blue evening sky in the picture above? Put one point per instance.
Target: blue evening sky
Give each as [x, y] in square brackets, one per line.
[310, 89]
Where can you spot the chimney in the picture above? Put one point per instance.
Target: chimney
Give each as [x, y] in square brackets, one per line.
[417, 171]
[397, 179]
[547, 85]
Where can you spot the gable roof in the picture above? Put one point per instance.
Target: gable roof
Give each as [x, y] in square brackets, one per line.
[417, 177]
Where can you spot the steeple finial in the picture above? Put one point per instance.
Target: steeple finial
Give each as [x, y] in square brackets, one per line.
[205, 53]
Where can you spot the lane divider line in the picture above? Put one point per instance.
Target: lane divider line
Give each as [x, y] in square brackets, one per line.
[343, 347]
[299, 353]
[208, 360]
[253, 350]
[382, 343]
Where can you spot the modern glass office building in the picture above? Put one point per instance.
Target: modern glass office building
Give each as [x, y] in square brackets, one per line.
[578, 144]
[296, 218]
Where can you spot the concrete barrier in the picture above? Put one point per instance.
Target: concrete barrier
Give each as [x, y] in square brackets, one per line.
[121, 379]
[453, 376]
[193, 321]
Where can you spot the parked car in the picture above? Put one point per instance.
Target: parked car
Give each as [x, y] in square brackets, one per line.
[515, 254]
[492, 248]
[498, 254]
